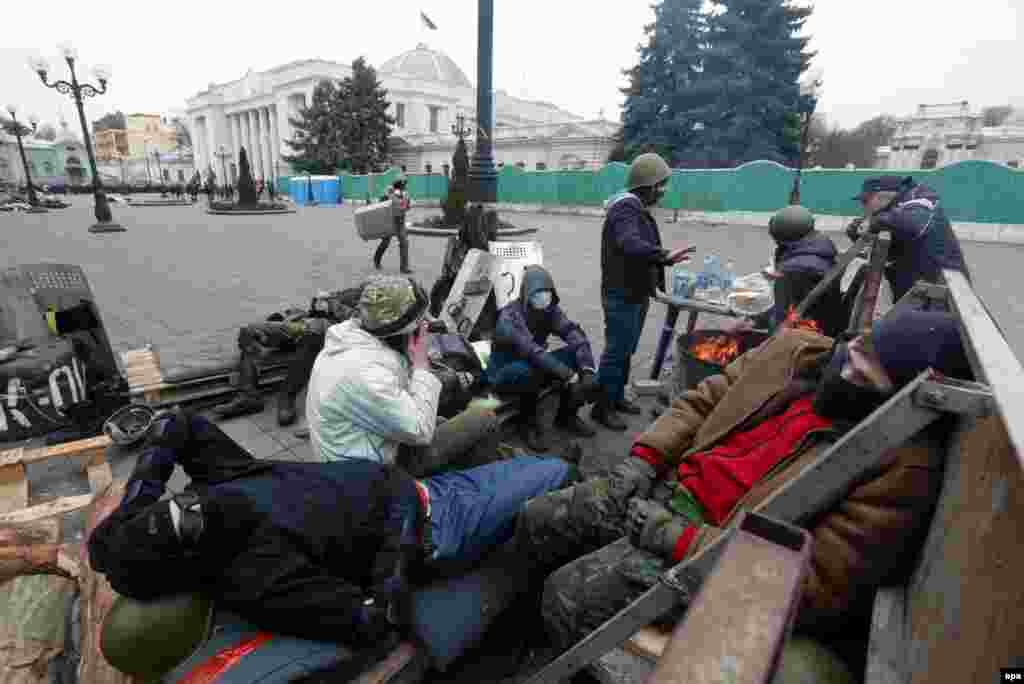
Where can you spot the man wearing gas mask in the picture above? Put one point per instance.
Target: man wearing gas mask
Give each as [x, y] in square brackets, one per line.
[739, 436]
[633, 265]
[520, 363]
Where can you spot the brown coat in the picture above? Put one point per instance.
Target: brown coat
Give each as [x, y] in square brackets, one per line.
[862, 540]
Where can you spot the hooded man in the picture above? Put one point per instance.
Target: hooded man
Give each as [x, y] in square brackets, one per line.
[400, 203]
[521, 364]
[923, 241]
[321, 551]
[632, 268]
[740, 436]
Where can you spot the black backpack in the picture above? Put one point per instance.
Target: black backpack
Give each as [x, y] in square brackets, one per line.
[455, 363]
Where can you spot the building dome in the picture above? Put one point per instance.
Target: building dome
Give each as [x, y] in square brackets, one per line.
[65, 136]
[1016, 118]
[424, 64]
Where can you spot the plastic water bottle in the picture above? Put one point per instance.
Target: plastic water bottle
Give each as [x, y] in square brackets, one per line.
[700, 290]
[728, 277]
[714, 292]
[683, 281]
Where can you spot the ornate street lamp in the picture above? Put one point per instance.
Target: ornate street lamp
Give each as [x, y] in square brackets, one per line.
[145, 156]
[159, 171]
[16, 129]
[223, 154]
[104, 219]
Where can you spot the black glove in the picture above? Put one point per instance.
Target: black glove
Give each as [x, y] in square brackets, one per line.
[853, 230]
[155, 464]
[372, 623]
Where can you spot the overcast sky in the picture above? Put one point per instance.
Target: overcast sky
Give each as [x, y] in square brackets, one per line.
[878, 56]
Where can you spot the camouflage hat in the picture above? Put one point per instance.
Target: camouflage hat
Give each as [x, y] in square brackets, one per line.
[391, 305]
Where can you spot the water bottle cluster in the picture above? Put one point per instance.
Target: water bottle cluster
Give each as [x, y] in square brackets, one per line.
[712, 284]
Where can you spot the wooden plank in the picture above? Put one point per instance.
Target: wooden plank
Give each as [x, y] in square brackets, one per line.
[649, 642]
[887, 642]
[100, 476]
[991, 357]
[49, 509]
[964, 599]
[82, 448]
[13, 487]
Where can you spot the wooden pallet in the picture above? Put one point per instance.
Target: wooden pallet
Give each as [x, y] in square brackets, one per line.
[14, 492]
[142, 370]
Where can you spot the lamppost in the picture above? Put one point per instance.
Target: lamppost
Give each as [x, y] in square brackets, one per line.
[483, 178]
[810, 93]
[309, 189]
[104, 219]
[145, 155]
[16, 129]
[159, 171]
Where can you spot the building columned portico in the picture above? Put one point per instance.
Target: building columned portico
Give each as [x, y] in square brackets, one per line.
[427, 91]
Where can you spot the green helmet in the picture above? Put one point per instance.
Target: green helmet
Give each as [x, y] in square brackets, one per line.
[792, 223]
[647, 170]
[145, 639]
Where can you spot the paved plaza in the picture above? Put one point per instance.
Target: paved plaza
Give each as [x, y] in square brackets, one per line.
[185, 281]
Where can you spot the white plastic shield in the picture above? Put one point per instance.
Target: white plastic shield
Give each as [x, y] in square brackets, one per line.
[507, 272]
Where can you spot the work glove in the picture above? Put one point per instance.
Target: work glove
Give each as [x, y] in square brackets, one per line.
[631, 477]
[654, 528]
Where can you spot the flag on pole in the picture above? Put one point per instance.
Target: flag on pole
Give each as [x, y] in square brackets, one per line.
[426, 22]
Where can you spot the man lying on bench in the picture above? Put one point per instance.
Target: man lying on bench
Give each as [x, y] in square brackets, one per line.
[729, 443]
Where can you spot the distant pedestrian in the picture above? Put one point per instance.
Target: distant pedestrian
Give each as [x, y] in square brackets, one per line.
[400, 203]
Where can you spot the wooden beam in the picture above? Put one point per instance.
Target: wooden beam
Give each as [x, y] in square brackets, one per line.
[13, 487]
[991, 357]
[82, 448]
[51, 508]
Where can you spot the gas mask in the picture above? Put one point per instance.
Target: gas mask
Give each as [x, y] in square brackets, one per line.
[541, 300]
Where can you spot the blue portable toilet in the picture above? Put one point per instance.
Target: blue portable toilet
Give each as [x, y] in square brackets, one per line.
[331, 190]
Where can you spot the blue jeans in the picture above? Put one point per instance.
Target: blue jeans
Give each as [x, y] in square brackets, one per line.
[509, 370]
[623, 325]
[474, 511]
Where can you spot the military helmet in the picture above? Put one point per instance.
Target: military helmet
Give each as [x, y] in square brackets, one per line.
[647, 170]
[791, 223]
[391, 305]
[145, 639]
[129, 425]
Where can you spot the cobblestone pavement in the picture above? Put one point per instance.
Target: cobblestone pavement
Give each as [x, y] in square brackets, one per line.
[185, 281]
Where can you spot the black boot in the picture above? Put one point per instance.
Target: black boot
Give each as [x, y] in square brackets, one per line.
[248, 399]
[403, 255]
[604, 414]
[569, 420]
[626, 406]
[379, 254]
[285, 409]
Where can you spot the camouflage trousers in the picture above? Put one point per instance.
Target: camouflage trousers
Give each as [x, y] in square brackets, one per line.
[581, 532]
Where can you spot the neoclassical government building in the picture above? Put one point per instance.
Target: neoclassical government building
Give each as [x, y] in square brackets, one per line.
[427, 91]
[939, 135]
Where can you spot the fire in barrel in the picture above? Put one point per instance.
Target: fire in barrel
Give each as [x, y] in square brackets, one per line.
[704, 353]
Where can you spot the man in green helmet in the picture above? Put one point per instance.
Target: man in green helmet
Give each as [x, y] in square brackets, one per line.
[632, 267]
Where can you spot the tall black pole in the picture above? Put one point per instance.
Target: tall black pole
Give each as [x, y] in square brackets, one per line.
[104, 219]
[33, 201]
[483, 178]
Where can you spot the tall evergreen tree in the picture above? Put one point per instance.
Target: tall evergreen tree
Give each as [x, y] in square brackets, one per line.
[754, 61]
[666, 84]
[361, 121]
[316, 142]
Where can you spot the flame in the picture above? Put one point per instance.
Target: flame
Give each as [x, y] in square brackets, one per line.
[793, 321]
[720, 349]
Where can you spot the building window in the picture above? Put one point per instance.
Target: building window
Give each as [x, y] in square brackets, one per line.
[447, 169]
[435, 115]
[181, 176]
[521, 164]
[429, 168]
[541, 166]
[1014, 164]
[167, 174]
[400, 115]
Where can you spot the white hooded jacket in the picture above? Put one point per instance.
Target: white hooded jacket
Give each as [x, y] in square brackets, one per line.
[362, 400]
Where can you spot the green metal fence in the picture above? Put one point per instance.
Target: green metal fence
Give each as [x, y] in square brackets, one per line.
[975, 191]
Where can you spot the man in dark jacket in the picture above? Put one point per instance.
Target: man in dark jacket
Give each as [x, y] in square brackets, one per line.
[299, 332]
[632, 268]
[322, 551]
[520, 362]
[923, 241]
[802, 258]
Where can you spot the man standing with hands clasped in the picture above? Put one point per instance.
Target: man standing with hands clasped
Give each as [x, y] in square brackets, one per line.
[632, 268]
